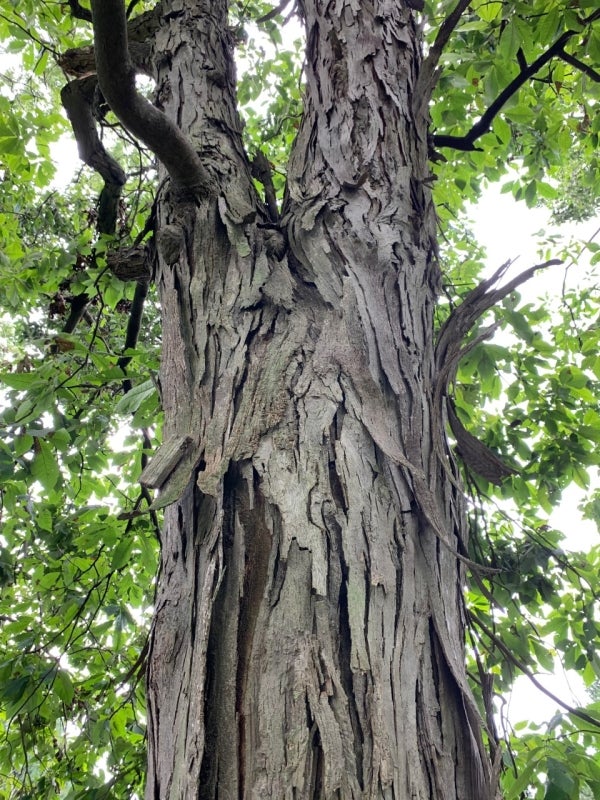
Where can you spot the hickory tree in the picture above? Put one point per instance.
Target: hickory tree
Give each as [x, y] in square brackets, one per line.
[252, 372]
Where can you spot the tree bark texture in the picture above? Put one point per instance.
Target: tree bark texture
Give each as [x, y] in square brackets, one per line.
[308, 635]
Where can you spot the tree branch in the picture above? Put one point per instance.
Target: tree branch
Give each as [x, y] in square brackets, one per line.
[449, 346]
[450, 350]
[134, 325]
[131, 6]
[79, 12]
[483, 125]
[261, 170]
[273, 12]
[78, 306]
[575, 62]
[77, 98]
[428, 74]
[510, 656]
[116, 76]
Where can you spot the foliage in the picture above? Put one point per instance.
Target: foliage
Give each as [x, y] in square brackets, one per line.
[578, 195]
[78, 547]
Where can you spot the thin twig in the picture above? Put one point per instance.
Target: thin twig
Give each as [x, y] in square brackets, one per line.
[508, 653]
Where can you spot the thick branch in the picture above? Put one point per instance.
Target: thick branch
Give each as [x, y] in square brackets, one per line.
[79, 12]
[483, 125]
[116, 76]
[134, 326]
[77, 98]
[78, 306]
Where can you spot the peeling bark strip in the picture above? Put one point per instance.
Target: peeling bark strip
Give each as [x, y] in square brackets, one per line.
[308, 634]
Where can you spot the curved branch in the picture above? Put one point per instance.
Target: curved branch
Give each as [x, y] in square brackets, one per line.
[483, 125]
[116, 76]
[273, 12]
[77, 98]
[130, 7]
[450, 350]
[449, 347]
[79, 12]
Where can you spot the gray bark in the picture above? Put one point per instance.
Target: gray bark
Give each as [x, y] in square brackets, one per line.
[308, 634]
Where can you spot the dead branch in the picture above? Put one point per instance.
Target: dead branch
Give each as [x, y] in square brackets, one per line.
[450, 350]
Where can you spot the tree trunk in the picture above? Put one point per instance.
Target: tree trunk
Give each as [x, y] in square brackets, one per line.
[308, 635]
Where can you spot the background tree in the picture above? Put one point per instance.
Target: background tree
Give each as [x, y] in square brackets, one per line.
[308, 629]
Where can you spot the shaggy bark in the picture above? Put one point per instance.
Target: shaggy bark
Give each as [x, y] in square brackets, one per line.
[308, 634]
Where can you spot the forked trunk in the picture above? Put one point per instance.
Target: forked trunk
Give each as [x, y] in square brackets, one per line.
[308, 637]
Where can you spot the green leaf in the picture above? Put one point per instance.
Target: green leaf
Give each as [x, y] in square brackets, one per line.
[121, 554]
[593, 46]
[7, 464]
[44, 519]
[488, 10]
[130, 402]
[20, 380]
[14, 689]
[63, 686]
[44, 466]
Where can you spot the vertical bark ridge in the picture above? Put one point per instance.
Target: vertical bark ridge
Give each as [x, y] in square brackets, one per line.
[362, 227]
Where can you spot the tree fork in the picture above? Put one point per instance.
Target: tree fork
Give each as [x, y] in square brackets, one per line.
[308, 632]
